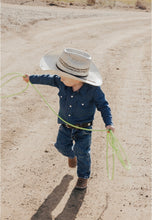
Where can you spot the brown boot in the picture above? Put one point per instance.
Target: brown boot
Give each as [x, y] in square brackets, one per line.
[81, 183]
[72, 162]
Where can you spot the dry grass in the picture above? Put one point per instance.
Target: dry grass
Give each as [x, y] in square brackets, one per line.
[142, 4]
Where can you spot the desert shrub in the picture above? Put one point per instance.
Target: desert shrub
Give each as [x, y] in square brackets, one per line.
[141, 4]
[91, 2]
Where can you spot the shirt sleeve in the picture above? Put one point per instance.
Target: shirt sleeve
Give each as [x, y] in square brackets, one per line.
[103, 106]
[51, 80]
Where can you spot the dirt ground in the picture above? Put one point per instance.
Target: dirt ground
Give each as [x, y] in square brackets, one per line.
[37, 183]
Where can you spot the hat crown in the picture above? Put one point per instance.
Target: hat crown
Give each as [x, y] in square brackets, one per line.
[74, 64]
[74, 61]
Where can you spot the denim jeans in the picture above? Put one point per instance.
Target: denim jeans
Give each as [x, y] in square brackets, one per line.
[75, 142]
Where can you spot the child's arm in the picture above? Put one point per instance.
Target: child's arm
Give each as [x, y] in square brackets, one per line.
[51, 80]
[103, 106]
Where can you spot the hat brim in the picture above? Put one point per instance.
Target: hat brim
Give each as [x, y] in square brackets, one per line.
[48, 62]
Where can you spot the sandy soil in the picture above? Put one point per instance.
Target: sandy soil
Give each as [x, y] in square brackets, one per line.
[36, 181]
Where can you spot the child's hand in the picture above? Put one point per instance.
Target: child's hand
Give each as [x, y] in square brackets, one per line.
[110, 127]
[26, 78]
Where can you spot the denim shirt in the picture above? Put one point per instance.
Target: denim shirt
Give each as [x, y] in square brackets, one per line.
[79, 106]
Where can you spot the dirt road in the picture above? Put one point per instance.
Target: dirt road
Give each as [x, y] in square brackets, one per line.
[36, 181]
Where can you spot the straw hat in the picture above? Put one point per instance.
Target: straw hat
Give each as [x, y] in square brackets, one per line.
[74, 64]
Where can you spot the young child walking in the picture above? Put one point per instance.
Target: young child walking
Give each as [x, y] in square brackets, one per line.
[78, 81]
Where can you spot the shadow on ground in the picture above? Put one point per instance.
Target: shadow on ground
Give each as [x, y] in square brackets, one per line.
[71, 208]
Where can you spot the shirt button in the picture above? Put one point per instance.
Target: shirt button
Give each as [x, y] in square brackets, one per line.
[61, 96]
[82, 104]
[69, 115]
[70, 106]
[71, 96]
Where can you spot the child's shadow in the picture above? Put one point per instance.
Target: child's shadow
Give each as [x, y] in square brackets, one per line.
[71, 208]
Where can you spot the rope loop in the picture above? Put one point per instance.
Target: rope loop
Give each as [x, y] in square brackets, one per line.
[14, 77]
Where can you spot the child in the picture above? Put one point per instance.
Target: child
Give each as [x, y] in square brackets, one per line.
[78, 81]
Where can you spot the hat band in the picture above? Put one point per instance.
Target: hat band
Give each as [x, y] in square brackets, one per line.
[70, 73]
[67, 66]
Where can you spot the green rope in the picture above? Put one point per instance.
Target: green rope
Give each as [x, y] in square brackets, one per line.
[111, 140]
[9, 74]
[14, 77]
[113, 156]
[8, 96]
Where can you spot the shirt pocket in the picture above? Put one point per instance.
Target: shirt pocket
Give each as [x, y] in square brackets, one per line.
[83, 106]
[86, 107]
